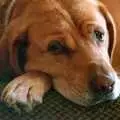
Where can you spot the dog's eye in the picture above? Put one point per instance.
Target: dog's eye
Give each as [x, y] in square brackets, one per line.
[55, 46]
[99, 35]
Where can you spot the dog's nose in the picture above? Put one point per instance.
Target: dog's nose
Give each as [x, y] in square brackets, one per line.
[103, 83]
[102, 80]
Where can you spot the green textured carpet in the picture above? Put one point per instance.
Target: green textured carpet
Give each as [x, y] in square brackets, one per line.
[55, 107]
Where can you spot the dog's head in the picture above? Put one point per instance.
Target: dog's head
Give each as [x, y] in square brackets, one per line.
[70, 40]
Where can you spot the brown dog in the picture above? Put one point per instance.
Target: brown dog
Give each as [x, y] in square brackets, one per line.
[68, 44]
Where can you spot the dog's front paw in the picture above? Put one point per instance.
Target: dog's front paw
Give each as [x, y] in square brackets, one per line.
[26, 91]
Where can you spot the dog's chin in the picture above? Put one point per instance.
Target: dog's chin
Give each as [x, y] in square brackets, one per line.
[91, 98]
[94, 100]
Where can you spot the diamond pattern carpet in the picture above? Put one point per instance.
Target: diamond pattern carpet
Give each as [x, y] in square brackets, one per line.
[55, 107]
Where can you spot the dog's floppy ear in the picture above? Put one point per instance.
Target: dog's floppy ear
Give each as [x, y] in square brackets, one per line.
[18, 52]
[13, 46]
[18, 44]
[110, 26]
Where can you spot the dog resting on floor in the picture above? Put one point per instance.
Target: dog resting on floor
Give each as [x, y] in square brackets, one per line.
[66, 44]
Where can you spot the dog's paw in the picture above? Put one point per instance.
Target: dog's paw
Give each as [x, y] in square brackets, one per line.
[26, 91]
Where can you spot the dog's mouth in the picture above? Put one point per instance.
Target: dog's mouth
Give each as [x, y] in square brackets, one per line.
[94, 99]
[100, 98]
[89, 97]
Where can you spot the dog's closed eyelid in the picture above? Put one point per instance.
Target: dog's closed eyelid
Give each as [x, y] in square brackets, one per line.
[56, 47]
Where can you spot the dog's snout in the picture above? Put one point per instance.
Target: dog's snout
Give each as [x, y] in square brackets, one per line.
[102, 80]
[102, 83]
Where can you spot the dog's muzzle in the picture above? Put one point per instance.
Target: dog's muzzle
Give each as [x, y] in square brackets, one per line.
[104, 82]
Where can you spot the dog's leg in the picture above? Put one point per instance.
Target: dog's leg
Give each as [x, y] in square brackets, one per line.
[27, 90]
